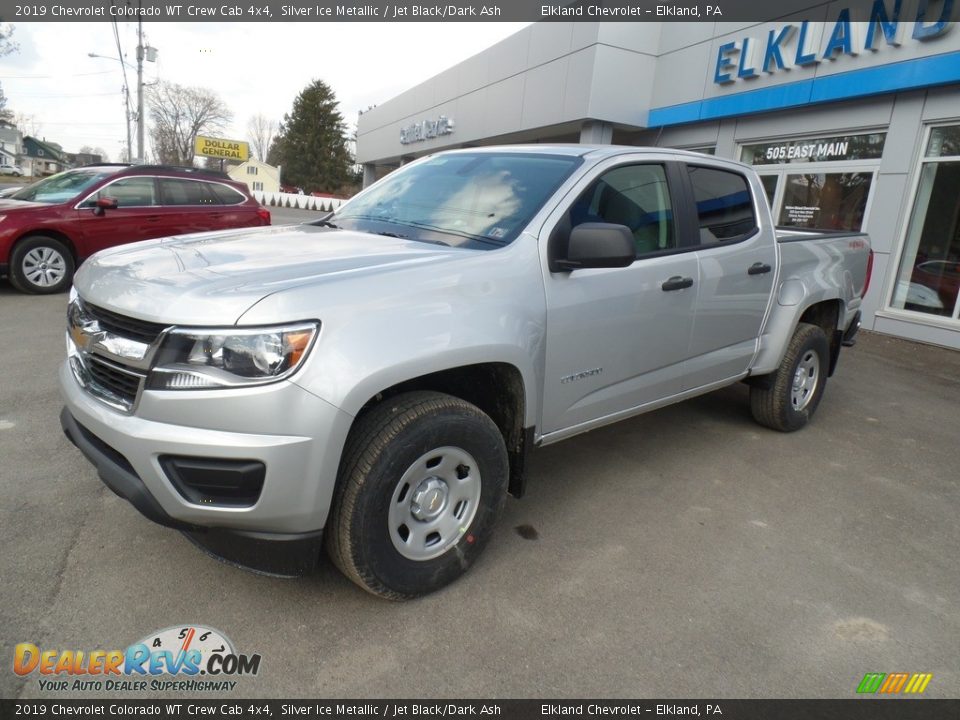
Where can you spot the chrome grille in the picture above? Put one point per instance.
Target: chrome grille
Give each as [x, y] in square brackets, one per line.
[125, 326]
[117, 379]
[110, 354]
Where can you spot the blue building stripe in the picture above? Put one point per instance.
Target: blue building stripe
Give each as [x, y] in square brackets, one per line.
[906, 75]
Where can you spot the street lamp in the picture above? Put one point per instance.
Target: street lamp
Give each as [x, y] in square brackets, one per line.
[126, 96]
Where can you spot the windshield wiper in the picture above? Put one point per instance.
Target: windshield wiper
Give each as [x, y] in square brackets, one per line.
[393, 235]
[325, 223]
[455, 233]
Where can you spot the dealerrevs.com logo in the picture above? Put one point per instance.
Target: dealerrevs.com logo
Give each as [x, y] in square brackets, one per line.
[180, 658]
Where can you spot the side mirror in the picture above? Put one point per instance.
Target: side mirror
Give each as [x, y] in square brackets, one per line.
[598, 245]
[104, 203]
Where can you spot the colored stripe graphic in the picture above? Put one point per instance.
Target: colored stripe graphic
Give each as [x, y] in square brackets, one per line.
[894, 683]
[871, 682]
[918, 683]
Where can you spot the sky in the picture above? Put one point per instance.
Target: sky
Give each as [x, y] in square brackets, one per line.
[76, 100]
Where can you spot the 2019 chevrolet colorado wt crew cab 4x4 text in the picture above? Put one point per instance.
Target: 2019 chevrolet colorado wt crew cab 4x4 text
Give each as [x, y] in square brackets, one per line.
[374, 381]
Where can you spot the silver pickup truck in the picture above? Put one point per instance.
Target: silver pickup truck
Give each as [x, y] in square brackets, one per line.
[373, 383]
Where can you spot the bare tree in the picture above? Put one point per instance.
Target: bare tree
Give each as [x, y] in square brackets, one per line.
[87, 150]
[7, 46]
[178, 114]
[261, 131]
[27, 124]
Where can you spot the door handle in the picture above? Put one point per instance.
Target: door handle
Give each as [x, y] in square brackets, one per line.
[677, 282]
[758, 268]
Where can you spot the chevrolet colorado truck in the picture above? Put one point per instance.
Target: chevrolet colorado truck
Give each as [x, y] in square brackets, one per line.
[372, 383]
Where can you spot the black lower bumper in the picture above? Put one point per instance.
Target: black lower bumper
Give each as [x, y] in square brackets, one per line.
[850, 336]
[265, 552]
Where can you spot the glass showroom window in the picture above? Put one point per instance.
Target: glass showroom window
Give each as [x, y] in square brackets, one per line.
[929, 275]
[823, 182]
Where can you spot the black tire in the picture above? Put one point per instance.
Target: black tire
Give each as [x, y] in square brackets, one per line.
[29, 277]
[776, 405]
[384, 449]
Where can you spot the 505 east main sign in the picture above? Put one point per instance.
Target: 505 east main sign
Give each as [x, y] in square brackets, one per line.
[793, 45]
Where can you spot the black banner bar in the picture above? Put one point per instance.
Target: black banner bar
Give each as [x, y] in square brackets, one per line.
[929, 11]
[852, 709]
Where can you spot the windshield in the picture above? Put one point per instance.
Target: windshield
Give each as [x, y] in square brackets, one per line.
[60, 187]
[478, 200]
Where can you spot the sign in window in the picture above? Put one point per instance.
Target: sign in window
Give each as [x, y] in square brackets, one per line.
[826, 201]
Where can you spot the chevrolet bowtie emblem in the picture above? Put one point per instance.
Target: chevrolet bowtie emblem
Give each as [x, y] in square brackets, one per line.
[85, 335]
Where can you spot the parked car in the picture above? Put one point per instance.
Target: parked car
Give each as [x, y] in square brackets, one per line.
[374, 381]
[941, 276]
[48, 228]
[14, 170]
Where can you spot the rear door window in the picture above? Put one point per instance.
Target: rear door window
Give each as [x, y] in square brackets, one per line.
[724, 204]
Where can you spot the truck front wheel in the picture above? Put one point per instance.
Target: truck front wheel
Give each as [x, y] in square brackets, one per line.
[791, 395]
[421, 485]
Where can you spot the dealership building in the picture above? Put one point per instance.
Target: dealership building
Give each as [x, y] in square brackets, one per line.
[851, 124]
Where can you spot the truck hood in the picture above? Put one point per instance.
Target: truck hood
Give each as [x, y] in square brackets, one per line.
[213, 278]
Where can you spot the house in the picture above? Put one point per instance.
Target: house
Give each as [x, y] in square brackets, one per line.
[257, 175]
[41, 158]
[11, 144]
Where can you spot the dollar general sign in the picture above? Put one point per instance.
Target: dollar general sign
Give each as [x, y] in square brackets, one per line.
[220, 148]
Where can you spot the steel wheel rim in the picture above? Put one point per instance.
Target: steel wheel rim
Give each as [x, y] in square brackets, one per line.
[44, 266]
[434, 503]
[805, 380]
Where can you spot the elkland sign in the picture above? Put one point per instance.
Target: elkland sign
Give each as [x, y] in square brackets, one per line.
[426, 129]
[794, 45]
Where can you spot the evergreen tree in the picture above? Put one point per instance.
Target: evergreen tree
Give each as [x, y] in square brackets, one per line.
[311, 144]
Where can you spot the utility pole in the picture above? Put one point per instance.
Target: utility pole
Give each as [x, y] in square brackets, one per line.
[140, 119]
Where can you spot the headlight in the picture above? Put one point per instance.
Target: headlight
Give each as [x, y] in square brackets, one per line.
[192, 359]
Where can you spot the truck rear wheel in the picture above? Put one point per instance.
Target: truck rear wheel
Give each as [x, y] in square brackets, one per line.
[422, 483]
[788, 401]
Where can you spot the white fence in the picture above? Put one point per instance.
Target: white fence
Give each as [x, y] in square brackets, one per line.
[303, 202]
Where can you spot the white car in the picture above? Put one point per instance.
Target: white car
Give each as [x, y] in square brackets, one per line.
[14, 170]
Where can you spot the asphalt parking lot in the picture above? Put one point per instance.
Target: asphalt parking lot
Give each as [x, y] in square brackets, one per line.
[685, 553]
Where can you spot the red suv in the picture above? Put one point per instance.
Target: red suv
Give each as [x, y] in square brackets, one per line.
[47, 229]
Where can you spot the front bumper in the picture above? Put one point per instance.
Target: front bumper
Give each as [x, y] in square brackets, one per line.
[297, 436]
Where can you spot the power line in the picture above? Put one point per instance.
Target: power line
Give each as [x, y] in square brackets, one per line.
[62, 97]
[52, 77]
